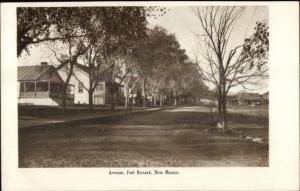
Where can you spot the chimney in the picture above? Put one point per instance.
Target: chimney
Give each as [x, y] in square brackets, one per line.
[44, 64]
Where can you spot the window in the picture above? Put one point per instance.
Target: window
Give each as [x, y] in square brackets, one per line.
[29, 87]
[42, 86]
[55, 88]
[80, 87]
[22, 87]
[70, 89]
[100, 87]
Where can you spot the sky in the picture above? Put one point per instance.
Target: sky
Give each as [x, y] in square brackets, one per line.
[184, 24]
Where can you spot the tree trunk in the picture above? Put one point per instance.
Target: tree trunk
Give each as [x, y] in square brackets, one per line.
[112, 88]
[152, 101]
[220, 104]
[224, 106]
[126, 102]
[90, 100]
[131, 102]
[224, 113]
[155, 100]
[161, 100]
[126, 97]
[112, 98]
[144, 100]
[63, 104]
[144, 93]
[175, 99]
[65, 88]
[211, 115]
[112, 101]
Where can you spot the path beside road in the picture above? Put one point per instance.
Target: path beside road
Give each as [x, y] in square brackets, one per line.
[29, 121]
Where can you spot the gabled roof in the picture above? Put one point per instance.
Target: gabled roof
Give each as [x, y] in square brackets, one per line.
[265, 96]
[104, 76]
[31, 72]
[266, 93]
[83, 68]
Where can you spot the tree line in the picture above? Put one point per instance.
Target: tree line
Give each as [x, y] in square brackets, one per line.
[116, 41]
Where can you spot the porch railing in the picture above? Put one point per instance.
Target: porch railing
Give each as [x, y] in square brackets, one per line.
[50, 90]
[60, 95]
[44, 95]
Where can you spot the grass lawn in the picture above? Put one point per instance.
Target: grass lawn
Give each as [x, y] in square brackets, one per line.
[170, 138]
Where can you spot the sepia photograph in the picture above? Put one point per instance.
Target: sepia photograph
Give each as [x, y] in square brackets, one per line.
[129, 87]
[137, 93]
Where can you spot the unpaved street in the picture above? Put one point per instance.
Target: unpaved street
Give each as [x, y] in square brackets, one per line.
[171, 137]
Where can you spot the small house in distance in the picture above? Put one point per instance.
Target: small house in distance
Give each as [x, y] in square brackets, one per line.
[232, 99]
[265, 98]
[41, 85]
[249, 99]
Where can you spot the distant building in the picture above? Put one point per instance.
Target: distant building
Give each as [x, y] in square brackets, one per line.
[265, 98]
[249, 99]
[232, 99]
[41, 85]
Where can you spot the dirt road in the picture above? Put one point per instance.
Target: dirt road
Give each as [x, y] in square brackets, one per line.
[169, 138]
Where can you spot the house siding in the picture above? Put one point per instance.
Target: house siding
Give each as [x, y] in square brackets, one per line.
[53, 78]
[39, 101]
[83, 97]
[100, 94]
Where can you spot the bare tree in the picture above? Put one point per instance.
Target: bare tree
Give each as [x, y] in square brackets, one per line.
[153, 87]
[131, 83]
[226, 67]
[130, 79]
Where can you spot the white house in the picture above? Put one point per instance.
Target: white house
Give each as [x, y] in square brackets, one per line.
[41, 85]
[80, 80]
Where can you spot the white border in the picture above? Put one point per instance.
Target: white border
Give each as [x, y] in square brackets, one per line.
[283, 173]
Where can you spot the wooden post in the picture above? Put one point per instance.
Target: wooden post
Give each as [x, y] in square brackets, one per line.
[24, 87]
[35, 88]
[131, 100]
[48, 86]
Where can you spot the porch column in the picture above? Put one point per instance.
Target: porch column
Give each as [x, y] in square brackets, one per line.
[48, 86]
[24, 87]
[35, 88]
